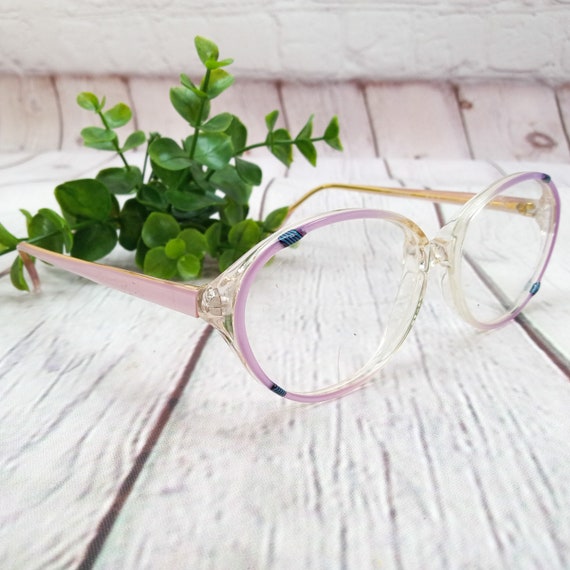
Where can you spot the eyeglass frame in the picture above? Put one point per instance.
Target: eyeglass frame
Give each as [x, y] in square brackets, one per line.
[222, 302]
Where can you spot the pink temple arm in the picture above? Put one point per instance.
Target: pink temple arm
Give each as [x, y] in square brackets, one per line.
[177, 296]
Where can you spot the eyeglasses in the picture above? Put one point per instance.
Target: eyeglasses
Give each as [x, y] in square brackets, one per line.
[316, 309]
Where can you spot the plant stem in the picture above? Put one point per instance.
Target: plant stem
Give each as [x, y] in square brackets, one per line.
[200, 113]
[275, 143]
[115, 142]
[48, 235]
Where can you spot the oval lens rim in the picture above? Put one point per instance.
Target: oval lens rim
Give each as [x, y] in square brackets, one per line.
[467, 213]
[261, 258]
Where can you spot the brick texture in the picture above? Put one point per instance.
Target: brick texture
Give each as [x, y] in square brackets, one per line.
[304, 39]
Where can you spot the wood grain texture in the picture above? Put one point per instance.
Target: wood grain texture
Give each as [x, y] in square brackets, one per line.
[122, 445]
[416, 120]
[74, 118]
[30, 117]
[346, 100]
[154, 112]
[455, 456]
[512, 121]
[83, 383]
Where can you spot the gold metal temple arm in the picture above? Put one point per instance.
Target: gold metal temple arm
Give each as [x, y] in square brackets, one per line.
[505, 203]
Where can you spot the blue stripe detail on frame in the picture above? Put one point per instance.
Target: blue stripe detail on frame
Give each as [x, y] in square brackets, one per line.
[535, 287]
[278, 390]
[290, 237]
[546, 178]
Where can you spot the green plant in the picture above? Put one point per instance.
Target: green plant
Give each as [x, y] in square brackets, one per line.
[188, 201]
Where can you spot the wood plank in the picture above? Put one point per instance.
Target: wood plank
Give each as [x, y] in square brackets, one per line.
[243, 479]
[250, 101]
[85, 379]
[416, 120]
[513, 121]
[14, 158]
[346, 100]
[29, 114]
[54, 166]
[152, 107]
[74, 118]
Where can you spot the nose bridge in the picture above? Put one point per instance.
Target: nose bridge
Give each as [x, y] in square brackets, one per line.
[441, 246]
[439, 254]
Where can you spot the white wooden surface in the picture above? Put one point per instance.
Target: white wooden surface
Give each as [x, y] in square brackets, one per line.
[131, 438]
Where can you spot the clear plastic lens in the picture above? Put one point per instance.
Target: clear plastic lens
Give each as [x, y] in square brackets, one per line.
[503, 252]
[319, 310]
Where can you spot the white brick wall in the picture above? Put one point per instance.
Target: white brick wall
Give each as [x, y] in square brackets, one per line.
[309, 39]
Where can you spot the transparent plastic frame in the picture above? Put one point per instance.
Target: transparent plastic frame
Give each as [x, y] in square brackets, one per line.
[222, 302]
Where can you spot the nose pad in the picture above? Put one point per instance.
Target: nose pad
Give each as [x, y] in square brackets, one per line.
[442, 258]
[544, 211]
[439, 253]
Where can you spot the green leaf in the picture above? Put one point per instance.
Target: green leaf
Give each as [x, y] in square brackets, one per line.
[118, 116]
[189, 266]
[188, 105]
[168, 155]
[234, 213]
[230, 182]
[175, 248]
[162, 177]
[274, 219]
[47, 221]
[249, 172]
[120, 180]
[153, 196]
[158, 264]
[308, 150]
[89, 101]
[207, 50]
[140, 253]
[17, 275]
[86, 198]
[271, 119]
[220, 80]
[96, 137]
[28, 217]
[331, 135]
[52, 229]
[227, 258]
[158, 229]
[131, 220]
[188, 83]
[218, 124]
[213, 236]
[238, 133]
[217, 64]
[188, 201]
[94, 241]
[307, 130]
[195, 242]
[244, 236]
[7, 240]
[213, 150]
[133, 140]
[280, 147]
